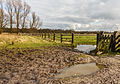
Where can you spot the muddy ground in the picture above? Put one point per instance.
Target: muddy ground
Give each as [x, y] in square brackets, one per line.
[39, 66]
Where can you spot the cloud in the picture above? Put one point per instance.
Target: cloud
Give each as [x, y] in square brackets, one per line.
[84, 12]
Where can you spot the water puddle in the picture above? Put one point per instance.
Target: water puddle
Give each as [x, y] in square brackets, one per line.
[85, 48]
[78, 70]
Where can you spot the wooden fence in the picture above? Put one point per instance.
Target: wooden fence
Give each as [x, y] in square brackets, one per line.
[58, 37]
[108, 42]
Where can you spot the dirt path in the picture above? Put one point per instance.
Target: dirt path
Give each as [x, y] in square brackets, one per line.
[39, 66]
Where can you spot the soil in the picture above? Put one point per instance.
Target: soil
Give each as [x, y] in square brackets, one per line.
[40, 66]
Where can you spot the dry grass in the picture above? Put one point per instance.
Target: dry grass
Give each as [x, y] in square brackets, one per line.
[7, 38]
[17, 40]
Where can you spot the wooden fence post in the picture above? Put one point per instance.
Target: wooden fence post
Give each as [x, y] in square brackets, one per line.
[54, 37]
[97, 39]
[72, 38]
[45, 35]
[114, 42]
[61, 37]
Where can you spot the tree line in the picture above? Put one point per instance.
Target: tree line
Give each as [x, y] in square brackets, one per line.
[16, 16]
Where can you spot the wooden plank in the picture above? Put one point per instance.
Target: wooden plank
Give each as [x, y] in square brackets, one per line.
[117, 37]
[114, 41]
[118, 41]
[117, 46]
[66, 35]
[104, 42]
[111, 43]
[118, 50]
[66, 41]
[57, 37]
[66, 38]
[108, 43]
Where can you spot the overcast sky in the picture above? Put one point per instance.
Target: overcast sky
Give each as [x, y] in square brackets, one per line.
[78, 14]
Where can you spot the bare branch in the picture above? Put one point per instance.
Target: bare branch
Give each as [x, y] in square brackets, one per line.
[35, 21]
[26, 11]
[3, 16]
[18, 11]
[10, 10]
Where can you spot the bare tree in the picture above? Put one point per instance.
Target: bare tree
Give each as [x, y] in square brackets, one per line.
[18, 12]
[3, 16]
[35, 21]
[26, 11]
[10, 10]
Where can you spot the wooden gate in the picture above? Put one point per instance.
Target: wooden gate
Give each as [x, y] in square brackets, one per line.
[108, 42]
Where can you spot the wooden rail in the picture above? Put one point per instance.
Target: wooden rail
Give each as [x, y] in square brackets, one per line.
[55, 36]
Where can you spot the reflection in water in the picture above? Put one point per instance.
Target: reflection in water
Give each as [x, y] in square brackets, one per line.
[85, 48]
[78, 70]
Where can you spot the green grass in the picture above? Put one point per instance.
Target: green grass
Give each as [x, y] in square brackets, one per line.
[88, 39]
[36, 42]
[36, 45]
[26, 42]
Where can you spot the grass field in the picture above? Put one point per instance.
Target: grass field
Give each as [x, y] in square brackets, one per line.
[88, 39]
[17, 41]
